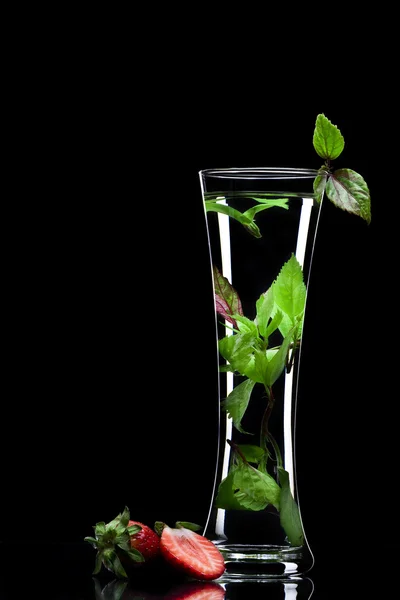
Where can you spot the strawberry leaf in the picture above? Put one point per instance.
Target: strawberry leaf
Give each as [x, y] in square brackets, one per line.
[91, 540]
[187, 525]
[100, 528]
[158, 527]
[133, 529]
[98, 564]
[135, 555]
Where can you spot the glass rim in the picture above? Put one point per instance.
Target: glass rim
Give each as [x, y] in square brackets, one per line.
[260, 173]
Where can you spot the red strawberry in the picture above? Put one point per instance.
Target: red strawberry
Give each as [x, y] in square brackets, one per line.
[146, 541]
[190, 553]
[123, 543]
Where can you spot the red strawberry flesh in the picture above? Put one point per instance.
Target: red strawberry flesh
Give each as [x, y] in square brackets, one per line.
[191, 553]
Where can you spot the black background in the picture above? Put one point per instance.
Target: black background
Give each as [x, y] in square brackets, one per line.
[108, 386]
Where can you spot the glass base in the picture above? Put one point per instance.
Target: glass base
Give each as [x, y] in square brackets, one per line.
[266, 561]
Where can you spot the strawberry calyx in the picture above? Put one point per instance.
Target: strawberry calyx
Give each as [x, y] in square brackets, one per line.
[159, 526]
[112, 542]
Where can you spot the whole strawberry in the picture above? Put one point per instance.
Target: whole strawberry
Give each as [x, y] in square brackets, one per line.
[123, 543]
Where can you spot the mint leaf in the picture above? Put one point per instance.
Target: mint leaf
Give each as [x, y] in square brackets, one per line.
[227, 301]
[238, 350]
[264, 307]
[320, 185]
[349, 191]
[289, 512]
[254, 490]
[226, 497]
[290, 290]
[258, 368]
[247, 222]
[246, 325]
[328, 141]
[277, 363]
[264, 204]
[252, 453]
[188, 525]
[237, 401]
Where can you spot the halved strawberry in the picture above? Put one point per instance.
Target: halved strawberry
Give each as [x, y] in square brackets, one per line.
[123, 543]
[189, 552]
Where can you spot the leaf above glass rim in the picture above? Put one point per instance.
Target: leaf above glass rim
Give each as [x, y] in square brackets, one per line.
[349, 191]
[328, 141]
[344, 187]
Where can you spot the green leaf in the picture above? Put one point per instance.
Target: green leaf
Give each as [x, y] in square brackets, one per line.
[158, 527]
[289, 289]
[320, 185]
[124, 518]
[251, 212]
[133, 529]
[289, 512]
[91, 540]
[100, 528]
[264, 308]
[277, 363]
[237, 401]
[98, 563]
[226, 497]
[254, 490]
[327, 140]
[135, 555]
[257, 370]
[116, 565]
[238, 350]
[349, 191]
[188, 525]
[247, 222]
[275, 323]
[123, 541]
[252, 453]
[279, 202]
[246, 325]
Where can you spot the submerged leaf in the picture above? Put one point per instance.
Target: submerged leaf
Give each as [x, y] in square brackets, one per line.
[289, 512]
[290, 290]
[227, 301]
[254, 490]
[237, 401]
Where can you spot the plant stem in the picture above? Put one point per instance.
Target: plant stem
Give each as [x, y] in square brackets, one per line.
[238, 450]
[265, 433]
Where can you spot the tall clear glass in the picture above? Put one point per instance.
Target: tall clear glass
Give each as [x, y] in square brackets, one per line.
[261, 226]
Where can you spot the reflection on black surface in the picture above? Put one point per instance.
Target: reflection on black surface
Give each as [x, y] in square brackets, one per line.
[190, 590]
[288, 589]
